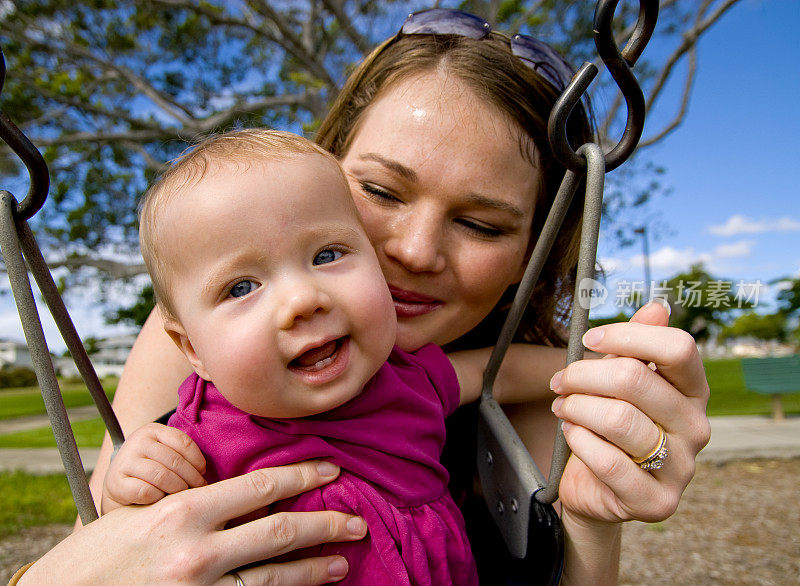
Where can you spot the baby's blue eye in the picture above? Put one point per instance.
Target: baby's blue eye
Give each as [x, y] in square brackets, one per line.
[242, 288]
[326, 256]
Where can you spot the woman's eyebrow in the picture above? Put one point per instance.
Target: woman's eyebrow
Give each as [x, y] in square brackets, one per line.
[497, 204]
[405, 172]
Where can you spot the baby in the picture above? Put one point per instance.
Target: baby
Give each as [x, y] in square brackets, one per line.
[267, 282]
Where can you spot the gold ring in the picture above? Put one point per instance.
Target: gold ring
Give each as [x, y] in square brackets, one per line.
[655, 459]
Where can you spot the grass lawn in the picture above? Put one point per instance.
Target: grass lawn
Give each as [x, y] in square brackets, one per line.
[28, 400]
[28, 501]
[730, 397]
[88, 434]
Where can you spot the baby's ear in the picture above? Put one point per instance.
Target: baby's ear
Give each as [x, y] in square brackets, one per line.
[178, 334]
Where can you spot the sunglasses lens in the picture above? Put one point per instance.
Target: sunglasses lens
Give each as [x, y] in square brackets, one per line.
[543, 59]
[441, 21]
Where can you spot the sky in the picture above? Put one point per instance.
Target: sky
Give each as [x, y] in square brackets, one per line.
[735, 200]
[731, 170]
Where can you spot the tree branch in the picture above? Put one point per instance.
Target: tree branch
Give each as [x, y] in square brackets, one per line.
[219, 119]
[523, 18]
[284, 37]
[127, 135]
[167, 104]
[295, 45]
[361, 42]
[684, 107]
[81, 105]
[113, 268]
[209, 124]
[689, 43]
[149, 160]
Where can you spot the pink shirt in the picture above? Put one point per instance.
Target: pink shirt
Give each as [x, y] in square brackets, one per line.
[387, 440]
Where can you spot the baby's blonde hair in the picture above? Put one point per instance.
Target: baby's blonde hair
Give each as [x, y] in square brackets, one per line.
[239, 147]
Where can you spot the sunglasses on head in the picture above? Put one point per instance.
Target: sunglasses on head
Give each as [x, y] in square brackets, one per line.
[535, 54]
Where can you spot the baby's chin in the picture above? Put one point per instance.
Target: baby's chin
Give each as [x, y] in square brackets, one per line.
[306, 402]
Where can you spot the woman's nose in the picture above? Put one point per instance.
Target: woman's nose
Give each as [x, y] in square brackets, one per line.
[417, 244]
[301, 301]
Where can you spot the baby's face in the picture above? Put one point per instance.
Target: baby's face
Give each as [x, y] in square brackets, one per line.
[279, 297]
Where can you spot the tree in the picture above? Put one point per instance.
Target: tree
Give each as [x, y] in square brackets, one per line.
[604, 321]
[754, 325]
[789, 296]
[137, 313]
[113, 89]
[700, 302]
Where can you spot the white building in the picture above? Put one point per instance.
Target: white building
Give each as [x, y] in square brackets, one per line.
[14, 354]
[111, 354]
[108, 359]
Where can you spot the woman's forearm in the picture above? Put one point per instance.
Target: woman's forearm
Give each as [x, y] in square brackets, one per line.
[147, 389]
[592, 550]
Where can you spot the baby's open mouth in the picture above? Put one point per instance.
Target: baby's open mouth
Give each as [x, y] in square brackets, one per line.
[319, 357]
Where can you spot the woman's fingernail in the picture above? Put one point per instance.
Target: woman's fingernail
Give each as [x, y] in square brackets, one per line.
[338, 568]
[663, 303]
[357, 526]
[592, 337]
[565, 426]
[557, 404]
[555, 382]
[327, 469]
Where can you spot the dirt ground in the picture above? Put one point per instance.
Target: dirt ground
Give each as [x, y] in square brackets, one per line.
[738, 524]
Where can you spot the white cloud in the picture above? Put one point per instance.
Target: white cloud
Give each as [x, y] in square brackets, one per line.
[612, 264]
[737, 249]
[668, 260]
[83, 303]
[738, 224]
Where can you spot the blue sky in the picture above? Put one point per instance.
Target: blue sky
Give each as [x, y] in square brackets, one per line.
[731, 167]
[735, 199]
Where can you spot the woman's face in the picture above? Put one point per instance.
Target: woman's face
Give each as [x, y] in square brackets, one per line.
[447, 197]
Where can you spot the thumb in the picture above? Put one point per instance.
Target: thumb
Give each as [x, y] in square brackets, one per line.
[654, 313]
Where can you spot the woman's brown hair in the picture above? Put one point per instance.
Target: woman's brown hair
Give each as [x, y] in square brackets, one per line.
[489, 69]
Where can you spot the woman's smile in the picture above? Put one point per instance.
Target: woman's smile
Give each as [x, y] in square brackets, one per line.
[413, 304]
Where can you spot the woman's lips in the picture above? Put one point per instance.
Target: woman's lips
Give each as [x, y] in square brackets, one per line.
[413, 304]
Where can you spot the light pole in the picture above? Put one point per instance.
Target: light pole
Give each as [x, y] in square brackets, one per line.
[646, 252]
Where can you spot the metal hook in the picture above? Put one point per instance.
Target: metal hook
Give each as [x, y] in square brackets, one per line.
[619, 65]
[37, 168]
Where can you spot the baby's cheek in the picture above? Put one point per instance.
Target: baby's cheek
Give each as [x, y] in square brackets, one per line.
[240, 356]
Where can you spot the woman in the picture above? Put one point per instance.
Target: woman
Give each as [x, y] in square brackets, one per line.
[443, 138]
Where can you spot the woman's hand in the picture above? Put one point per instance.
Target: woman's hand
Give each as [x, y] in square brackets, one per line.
[182, 538]
[652, 374]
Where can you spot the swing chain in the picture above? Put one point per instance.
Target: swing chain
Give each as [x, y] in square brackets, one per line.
[508, 473]
[619, 65]
[29, 154]
[21, 253]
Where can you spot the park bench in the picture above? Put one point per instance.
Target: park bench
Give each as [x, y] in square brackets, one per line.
[773, 376]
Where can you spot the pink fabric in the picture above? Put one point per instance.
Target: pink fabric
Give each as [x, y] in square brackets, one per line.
[387, 440]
